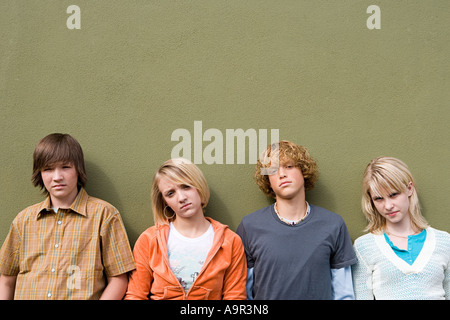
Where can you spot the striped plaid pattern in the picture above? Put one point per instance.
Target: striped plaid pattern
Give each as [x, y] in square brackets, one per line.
[67, 254]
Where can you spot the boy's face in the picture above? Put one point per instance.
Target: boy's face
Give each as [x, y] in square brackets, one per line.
[288, 181]
[60, 180]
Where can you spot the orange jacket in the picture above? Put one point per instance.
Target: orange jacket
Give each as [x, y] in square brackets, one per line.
[223, 275]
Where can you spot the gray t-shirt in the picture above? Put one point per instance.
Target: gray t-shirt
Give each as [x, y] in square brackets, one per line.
[295, 262]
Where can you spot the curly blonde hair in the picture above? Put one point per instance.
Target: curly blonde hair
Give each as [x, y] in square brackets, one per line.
[280, 153]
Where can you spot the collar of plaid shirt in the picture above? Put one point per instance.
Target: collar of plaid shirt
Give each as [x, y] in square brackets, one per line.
[67, 254]
[79, 205]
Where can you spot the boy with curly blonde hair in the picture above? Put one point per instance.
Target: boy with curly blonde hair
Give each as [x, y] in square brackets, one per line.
[295, 250]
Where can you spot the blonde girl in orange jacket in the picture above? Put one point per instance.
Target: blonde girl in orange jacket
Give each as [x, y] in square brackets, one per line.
[186, 255]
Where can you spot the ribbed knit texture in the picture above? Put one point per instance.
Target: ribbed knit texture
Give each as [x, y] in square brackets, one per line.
[380, 274]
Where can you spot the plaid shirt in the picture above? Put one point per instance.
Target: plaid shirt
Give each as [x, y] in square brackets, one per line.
[67, 254]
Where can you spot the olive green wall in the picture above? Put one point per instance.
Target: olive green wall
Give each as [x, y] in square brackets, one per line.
[138, 70]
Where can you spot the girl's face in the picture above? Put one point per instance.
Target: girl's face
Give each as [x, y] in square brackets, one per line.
[184, 199]
[393, 206]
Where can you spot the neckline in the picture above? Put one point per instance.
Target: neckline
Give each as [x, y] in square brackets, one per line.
[201, 237]
[410, 237]
[287, 224]
[421, 260]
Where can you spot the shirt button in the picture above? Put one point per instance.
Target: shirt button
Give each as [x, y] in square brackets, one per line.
[49, 295]
[59, 222]
[56, 245]
[53, 270]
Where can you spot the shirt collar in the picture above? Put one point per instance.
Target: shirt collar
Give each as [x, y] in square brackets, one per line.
[78, 206]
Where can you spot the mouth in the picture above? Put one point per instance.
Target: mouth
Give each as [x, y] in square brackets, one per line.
[392, 214]
[58, 186]
[284, 183]
[185, 206]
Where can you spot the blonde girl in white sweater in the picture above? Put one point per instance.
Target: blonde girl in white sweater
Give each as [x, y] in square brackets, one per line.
[401, 257]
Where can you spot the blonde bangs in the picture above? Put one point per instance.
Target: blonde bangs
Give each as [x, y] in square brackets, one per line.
[381, 185]
[384, 176]
[179, 171]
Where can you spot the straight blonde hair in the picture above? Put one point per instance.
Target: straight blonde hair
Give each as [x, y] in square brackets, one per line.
[177, 170]
[388, 174]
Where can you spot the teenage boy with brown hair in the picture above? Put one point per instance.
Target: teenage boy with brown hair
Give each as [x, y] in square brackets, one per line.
[71, 245]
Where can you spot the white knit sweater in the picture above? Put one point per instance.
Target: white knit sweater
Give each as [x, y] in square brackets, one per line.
[380, 274]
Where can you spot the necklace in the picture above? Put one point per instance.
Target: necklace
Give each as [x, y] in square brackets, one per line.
[293, 222]
[403, 237]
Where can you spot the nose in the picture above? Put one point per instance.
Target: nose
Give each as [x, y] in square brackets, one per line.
[281, 172]
[181, 196]
[388, 204]
[57, 174]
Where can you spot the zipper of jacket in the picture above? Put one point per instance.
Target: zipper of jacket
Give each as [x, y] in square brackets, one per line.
[205, 265]
[166, 261]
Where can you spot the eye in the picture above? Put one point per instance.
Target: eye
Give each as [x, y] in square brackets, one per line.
[67, 165]
[185, 186]
[394, 194]
[168, 194]
[377, 199]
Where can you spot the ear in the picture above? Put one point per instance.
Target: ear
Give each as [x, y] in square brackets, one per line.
[410, 189]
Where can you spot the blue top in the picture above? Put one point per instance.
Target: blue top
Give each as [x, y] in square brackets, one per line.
[295, 261]
[415, 244]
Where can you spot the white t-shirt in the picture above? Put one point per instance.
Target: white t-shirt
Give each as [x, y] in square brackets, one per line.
[187, 255]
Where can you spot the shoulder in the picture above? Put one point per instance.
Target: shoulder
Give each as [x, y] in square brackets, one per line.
[147, 238]
[365, 242]
[149, 233]
[327, 220]
[228, 234]
[232, 237]
[325, 214]
[368, 237]
[442, 238]
[93, 207]
[30, 212]
[255, 222]
[97, 202]
[440, 233]
[258, 215]
[99, 210]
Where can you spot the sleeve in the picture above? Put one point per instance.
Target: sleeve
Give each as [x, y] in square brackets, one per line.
[343, 255]
[362, 278]
[250, 261]
[116, 251]
[342, 284]
[10, 252]
[140, 280]
[249, 286]
[242, 233]
[236, 275]
[447, 283]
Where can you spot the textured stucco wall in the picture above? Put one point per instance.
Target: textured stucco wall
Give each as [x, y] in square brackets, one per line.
[138, 70]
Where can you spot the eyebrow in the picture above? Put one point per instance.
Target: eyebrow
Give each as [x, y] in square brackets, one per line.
[166, 191]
